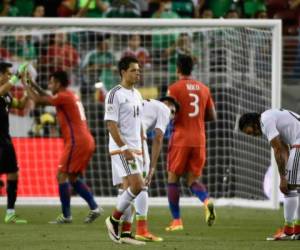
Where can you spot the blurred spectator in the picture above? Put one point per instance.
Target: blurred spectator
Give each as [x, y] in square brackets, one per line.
[123, 8]
[288, 11]
[51, 7]
[252, 7]
[165, 10]
[25, 8]
[144, 7]
[39, 11]
[98, 64]
[61, 55]
[92, 8]
[8, 9]
[67, 8]
[233, 12]
[136, 50]
[182, 46]
[185, 9]
[206, 13]
[5, 55]
[219, 7]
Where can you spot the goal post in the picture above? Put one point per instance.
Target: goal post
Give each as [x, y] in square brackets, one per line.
[240, 60]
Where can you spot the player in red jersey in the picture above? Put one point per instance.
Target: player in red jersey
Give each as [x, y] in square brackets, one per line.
[79, 144]
[187, 151]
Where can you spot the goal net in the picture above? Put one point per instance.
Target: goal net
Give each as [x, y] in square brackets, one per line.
[238, 60]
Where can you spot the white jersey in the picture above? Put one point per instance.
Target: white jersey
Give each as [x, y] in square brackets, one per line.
[155, 115]
[124, 106]
[281, 122]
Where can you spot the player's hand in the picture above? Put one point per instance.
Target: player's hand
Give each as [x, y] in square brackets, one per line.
[148, 178]
[129, 156]
[283, 185]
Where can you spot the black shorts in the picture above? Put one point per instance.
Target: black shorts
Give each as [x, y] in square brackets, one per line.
[8, 159]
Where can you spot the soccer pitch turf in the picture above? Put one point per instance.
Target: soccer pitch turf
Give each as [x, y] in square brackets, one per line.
[236, 228]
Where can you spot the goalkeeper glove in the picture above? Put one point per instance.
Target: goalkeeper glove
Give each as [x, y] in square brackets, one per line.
[13, 80]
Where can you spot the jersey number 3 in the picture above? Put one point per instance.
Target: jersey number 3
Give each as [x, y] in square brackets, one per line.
[194, 103]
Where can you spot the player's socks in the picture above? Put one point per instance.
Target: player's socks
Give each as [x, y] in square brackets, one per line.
[65, 199]
[82, 189]
[124, 201]
[141, 202]
[296, 235]
[290, 204]
[142, 232]
[199, 190]
[11, 190]
[173, 198]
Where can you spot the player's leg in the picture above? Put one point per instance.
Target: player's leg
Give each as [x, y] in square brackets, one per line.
[296, 235]
[195, 167]
[81, 188]
[290, 202]
[64, 191]
[177, 159]
[141, 205]
[131, 173]
[8, 165]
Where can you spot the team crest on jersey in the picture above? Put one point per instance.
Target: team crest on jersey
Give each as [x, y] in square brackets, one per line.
[109, 108]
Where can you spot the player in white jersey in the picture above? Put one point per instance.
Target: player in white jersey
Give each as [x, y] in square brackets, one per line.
[156, 116]
[123, 106]
[282, 129]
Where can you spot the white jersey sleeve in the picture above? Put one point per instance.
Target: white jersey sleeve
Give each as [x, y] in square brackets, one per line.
[268, 125]
[111, 108]
[163, 118]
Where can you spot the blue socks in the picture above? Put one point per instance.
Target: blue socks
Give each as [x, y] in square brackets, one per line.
[65, 198]
[82, 189]
[199, 190]
[173, 197]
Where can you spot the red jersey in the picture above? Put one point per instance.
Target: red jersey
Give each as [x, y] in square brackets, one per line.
[195, 99]
[71, 117]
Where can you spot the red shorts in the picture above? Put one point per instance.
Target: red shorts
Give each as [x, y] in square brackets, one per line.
[186, 159]
[75, 158]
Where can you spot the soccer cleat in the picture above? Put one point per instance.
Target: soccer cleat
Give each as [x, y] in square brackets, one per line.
[61, 220]
[148, 237]
[127, 238]
[210, 213]
[176, 225]
[12, 218]
[280, 235]
[113, 229]
[93, 215]
[296, 237]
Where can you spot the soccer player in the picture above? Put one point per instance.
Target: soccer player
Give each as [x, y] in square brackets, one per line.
[123, 108]
[187, 150]
[8, 160]
[282, 129]
[79, 144]
[156, 116]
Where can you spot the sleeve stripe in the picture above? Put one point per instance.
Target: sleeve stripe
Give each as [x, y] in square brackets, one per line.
[112, 94]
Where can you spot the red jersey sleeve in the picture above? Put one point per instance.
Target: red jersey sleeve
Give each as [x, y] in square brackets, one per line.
[58, 99]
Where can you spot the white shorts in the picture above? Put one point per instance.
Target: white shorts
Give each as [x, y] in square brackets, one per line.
[293, 167]
[120, 167]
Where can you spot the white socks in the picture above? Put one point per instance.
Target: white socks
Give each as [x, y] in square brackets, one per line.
[141, 202]
[290, 205]
[124, 200]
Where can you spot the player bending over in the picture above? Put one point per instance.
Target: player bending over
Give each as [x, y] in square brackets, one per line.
[282, 129]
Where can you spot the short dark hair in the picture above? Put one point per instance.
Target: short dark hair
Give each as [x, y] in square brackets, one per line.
[4, 66]
[248, 119]
[125, 62]
[185, 64]
[171, 100]
[62, 77]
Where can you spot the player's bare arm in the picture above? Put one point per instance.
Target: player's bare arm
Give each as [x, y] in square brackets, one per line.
[114, 131]
[156, 147]
[210, 115]
[281, 152]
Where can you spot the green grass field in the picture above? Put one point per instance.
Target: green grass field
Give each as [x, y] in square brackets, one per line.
[236, 228]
